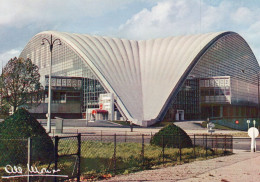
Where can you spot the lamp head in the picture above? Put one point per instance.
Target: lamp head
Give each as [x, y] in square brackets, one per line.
[42, 43]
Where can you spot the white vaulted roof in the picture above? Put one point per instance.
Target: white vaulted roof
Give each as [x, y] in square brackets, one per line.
[141, 74]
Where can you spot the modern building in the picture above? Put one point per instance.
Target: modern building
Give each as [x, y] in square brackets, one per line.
[174, 78]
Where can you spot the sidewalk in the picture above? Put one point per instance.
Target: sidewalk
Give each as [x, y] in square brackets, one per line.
[242, 166]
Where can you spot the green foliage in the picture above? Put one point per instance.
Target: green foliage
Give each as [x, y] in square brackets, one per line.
[14, 132]
[20, 83]
[171, 136]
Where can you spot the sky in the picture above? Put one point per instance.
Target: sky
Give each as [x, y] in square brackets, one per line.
[129, 19]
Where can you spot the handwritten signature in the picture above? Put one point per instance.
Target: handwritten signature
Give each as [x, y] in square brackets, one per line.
[19, 171]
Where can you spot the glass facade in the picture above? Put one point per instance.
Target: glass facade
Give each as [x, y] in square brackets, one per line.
[222, 90]
[65, 64]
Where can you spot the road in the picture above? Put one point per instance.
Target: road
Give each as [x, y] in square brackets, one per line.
[244, 143]
[108, 128]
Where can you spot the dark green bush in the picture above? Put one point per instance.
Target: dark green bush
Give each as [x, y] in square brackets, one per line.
[171, 136]
[14, 132]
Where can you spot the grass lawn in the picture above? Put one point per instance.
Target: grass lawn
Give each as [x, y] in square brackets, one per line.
[97, 157]
[217, 126]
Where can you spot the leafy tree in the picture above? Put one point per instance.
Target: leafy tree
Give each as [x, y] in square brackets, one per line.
[21, 83]
[4, 107]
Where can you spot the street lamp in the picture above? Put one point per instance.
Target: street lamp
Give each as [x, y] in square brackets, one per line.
[257, 73]
[51, 44]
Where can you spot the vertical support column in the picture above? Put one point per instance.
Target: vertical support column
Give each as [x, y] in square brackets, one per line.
[163, 147]
[216, 144]
[231, 143]
[225, 144]
[206, 146]
[180, 145]
[221, 111]
[112, 107]
[56, 156]
[143, 149]
[79, 157]
[49, 92]
[114, 154]
[212, 146]
[194, 146]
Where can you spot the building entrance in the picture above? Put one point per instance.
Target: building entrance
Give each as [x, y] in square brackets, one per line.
[179, 115]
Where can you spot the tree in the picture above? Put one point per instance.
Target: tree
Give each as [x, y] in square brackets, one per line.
[17, 127]
[171, 136]
[21, 83]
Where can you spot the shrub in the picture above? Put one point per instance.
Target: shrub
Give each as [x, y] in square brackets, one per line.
[15, 130]
[171, 136]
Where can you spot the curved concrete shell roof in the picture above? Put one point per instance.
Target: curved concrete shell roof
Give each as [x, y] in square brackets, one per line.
[143, 75]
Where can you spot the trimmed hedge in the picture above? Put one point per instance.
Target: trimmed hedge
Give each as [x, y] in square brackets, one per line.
[171, 136]
[14, 132]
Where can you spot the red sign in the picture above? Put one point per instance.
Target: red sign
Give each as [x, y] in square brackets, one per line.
[100, 106]
[237, 122]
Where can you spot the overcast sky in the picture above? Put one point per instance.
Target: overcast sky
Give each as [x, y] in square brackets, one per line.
[20, 20]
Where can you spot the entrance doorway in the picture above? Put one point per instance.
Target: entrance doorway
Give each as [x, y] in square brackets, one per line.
[179, 115]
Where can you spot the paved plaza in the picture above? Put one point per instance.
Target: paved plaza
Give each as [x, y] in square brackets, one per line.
[242, 166]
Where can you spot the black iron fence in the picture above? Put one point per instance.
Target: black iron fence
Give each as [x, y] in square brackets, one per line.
[84, 156]
[102, 156]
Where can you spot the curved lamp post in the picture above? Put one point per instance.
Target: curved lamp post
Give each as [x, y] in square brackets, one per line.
[51, 44]
[257, 73]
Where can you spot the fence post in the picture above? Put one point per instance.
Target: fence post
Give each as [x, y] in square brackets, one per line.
[225, 144]
[163, 147]
[203, 140]
[216, 144]
[180, 145]
[143, 149]
[231, 143]
[125, 135]
[29, 157]
[79, 157]
[194, 144]
[101, 136]
[56, 142]
[212, 141]
[114, 154]
[206, 146]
